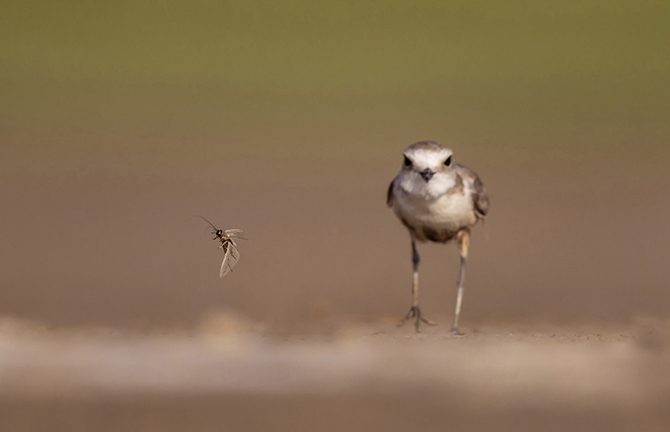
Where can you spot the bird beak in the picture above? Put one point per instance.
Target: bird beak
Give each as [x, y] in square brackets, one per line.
[427, 174]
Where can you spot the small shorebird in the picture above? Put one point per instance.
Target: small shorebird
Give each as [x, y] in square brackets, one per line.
[437, 200]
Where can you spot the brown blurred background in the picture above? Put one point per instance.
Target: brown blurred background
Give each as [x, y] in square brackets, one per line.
[119, 121]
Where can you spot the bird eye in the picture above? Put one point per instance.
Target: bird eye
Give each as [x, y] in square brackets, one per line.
[407, 162]
[447, 162]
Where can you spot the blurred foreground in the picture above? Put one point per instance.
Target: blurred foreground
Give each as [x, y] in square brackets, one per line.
[232, 374]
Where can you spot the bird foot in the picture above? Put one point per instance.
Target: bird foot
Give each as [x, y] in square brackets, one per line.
[455, 331]
[415, 312]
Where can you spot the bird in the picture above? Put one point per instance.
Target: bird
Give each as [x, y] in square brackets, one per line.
[438, 201]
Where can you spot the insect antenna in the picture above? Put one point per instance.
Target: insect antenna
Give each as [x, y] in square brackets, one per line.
[214, 227]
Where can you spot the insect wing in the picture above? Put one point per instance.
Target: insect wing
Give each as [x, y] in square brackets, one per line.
[230, 258]
[233, 233]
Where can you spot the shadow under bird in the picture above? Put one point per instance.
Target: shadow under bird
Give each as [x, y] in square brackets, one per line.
[437, 200]
[231, 255]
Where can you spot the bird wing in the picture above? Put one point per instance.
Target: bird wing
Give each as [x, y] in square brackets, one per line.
[389, 194]
[480, 198]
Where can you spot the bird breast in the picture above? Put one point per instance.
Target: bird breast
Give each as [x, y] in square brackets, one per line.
[436, 219]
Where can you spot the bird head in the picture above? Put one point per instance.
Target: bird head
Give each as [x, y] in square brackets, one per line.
[425, 159]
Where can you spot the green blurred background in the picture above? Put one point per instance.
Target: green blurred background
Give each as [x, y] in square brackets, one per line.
[206, 79]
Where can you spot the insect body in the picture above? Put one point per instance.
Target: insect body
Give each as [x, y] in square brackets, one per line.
[231, 255]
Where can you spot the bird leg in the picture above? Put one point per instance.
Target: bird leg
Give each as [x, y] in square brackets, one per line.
[415, 310]
[463, 246]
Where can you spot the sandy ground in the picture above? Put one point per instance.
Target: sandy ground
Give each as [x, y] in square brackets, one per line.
[117, 248]
[115, 319]
[230, 374]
